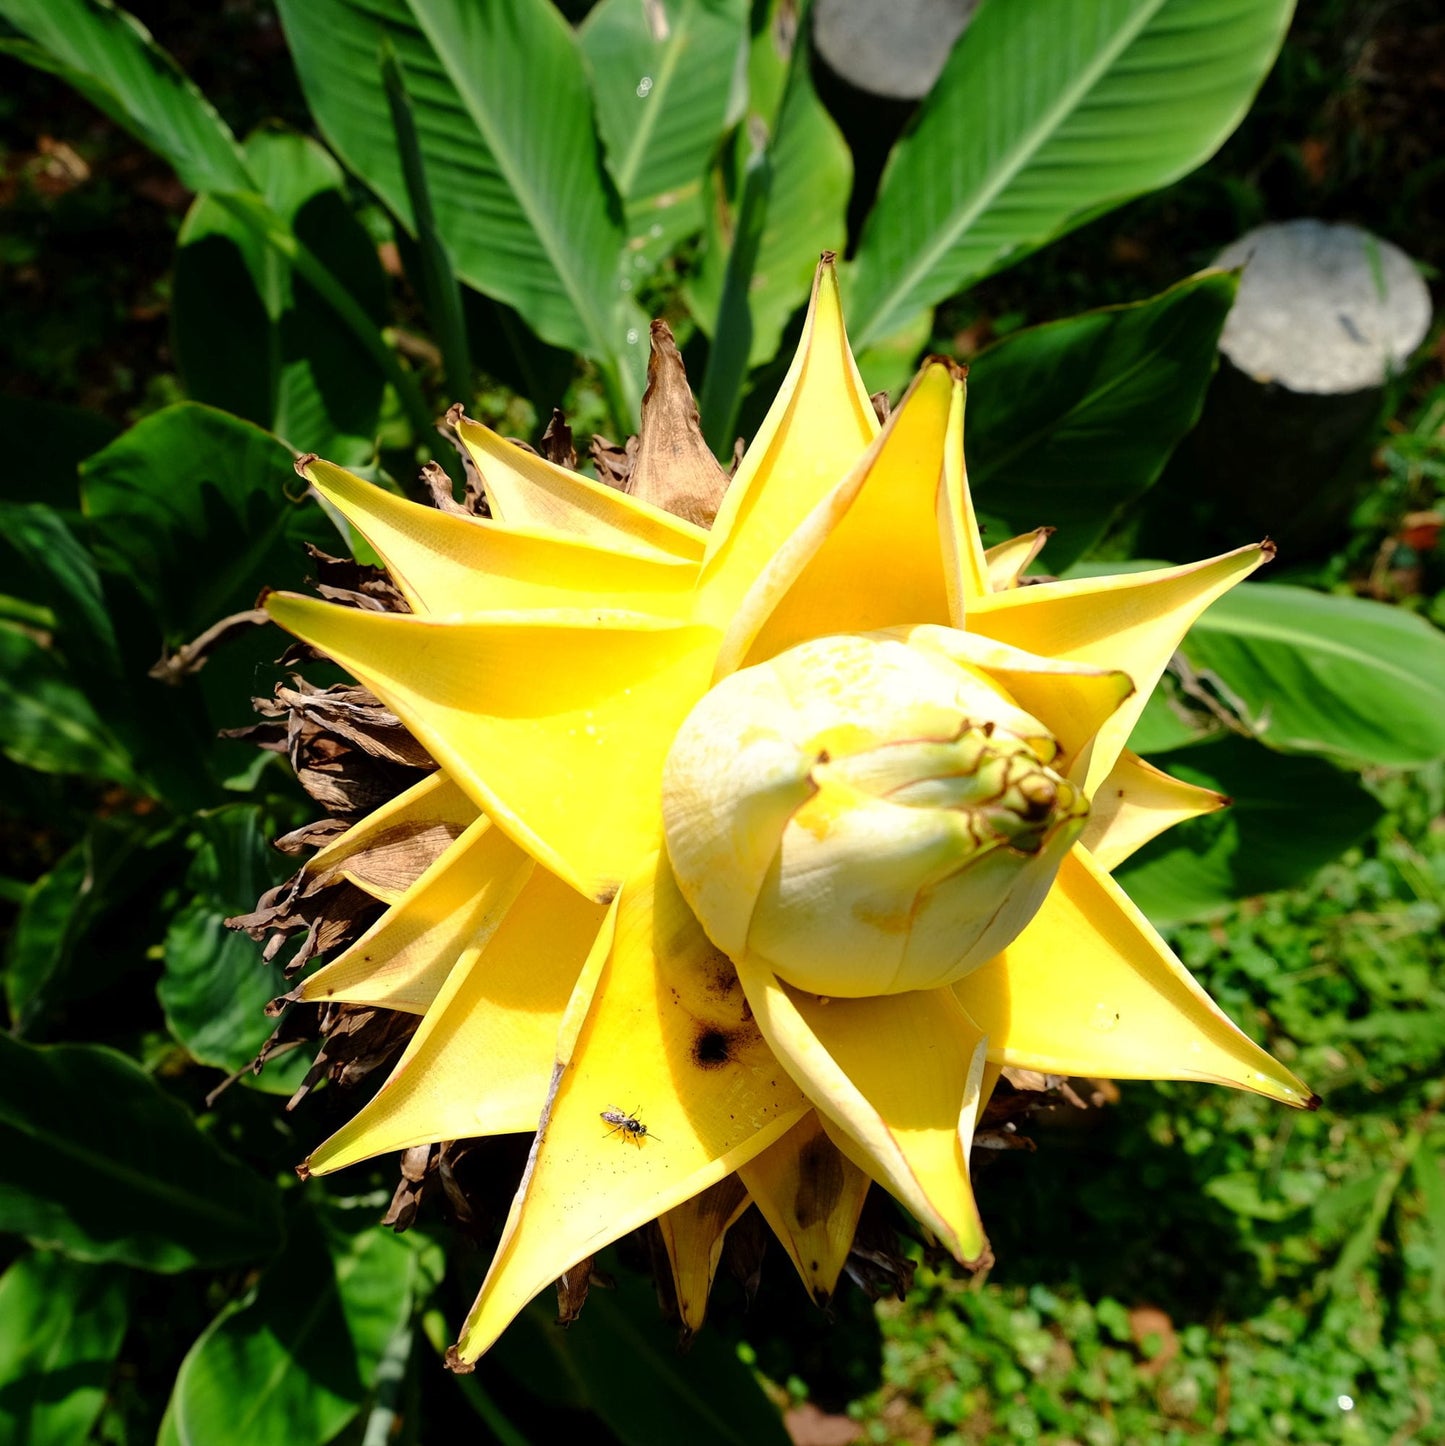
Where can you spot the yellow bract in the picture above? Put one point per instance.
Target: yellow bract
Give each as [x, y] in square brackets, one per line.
[553, 655]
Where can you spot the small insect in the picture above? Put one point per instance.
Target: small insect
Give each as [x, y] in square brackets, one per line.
[627, 1125]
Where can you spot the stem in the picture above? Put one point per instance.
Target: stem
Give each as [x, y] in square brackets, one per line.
[252, 212]
[441, 294]
[727, 364]
[727, 361]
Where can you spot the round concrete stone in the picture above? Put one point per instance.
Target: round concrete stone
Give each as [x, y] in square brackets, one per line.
[1325, 309]
[893, 48]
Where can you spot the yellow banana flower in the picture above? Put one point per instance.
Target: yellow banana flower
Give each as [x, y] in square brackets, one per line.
[771, 845]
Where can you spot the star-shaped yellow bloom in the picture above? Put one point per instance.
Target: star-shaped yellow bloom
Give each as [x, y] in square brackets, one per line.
[660, 1005]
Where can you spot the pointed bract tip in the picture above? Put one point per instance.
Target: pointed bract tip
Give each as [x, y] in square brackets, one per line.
[455, 413]
[983, 1261]
[303, 1170]
[303, 462]
[1312, 1104]
[455, 1364]
[956, 369]
[1268, 548]
[274, 599]
[278, 1005]
[827, 258]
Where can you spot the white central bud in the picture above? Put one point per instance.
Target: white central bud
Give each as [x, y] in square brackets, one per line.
[867, 816]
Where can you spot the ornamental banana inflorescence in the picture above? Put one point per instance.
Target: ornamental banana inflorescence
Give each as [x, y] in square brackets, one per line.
[776, 841]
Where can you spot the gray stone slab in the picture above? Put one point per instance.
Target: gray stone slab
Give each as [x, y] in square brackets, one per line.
[893, 48]
[1322, 308]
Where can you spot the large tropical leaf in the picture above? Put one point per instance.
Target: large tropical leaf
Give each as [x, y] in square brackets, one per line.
[429, 261]
[289, 363]
[707, 1398]
[106, 664]
[61, 1325]
[46, 721]
[192, 513]
[62, 577]
[1288, 816]
[1069, 422]
[513, 165]
[776, 199]
[810, 172]
[213, 988]
[110, 58]
[95, 1159]
[1314, 673]
[1047, 114]
[295, 1361]
[67, 942]
[198, 511]
[663, 77]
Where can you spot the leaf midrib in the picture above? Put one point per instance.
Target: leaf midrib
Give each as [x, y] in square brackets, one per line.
[627, 172]
[1303, 643]
[144, 1183]
[1079, 407]
[1015, 159]
[518, 181]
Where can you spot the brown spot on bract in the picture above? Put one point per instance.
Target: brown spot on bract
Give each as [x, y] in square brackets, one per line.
[892, 921]
[718, 1203]
[722, 976]
[712, 1049]
[820, 1181]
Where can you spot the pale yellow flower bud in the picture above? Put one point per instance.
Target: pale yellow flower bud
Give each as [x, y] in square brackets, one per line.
[866, 815]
